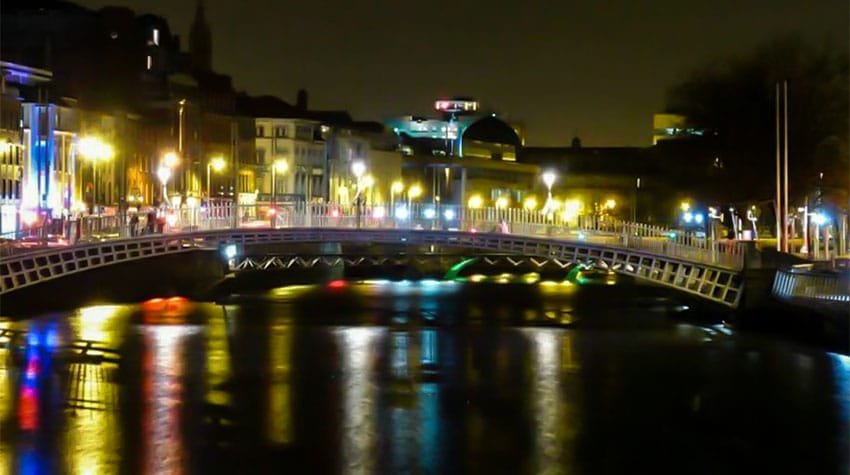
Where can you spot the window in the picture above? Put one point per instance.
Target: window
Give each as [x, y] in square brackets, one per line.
[261, 131]
[155, 37]
[280, 131]
[149, 63]
[261, 155]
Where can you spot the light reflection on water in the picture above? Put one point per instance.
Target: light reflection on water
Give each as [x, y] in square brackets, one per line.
[409, 392]
[357, 347]
[163, 438]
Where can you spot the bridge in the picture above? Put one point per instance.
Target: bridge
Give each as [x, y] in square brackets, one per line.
[702, 267]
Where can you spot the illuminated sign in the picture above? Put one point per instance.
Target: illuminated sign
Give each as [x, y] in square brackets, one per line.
[456, 105]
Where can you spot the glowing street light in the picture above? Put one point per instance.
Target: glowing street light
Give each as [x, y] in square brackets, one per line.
[475, 202]
[530, 203]
[95, 150]
[610, 204]
[397, 187]
[164, 173]
[170, 159]
[415, 191]
[549, 178]
[279, 166]
[216, 163]
[685, 206]
[501, 202]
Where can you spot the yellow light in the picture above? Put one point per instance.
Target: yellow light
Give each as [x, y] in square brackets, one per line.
[170, 159]
[281, 166]
[572, 208]
[685, 206]
[530, 203]
[415, 191]
[501, 202]
[368, 181]
[475, 201]
[94, 149]
[397, 187]
[610, 204]
[217, 163]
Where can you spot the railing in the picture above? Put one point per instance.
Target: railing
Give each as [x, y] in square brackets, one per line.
[811, 284]
[521, 222]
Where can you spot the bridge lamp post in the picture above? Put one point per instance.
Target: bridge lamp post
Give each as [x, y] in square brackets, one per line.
[279, 166]
[96, 151]
[397, 187]
[216, 163]
[413, 192]
[358, 168]
[164, 173]
[549, 178]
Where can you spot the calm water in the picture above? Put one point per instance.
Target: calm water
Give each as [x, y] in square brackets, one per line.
[418, 377]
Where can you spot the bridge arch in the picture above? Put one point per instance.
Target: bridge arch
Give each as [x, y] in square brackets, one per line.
[718, 284]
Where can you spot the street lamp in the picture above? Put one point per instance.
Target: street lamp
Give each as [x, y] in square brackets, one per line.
[475, 202]
[279, 166]
[413, 192]
[530, 203]
[397, 187]
[164, 173]
[95, 150]
[358, 168]
[549, 178]
[217, 164]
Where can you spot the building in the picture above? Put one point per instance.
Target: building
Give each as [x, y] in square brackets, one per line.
[290, 161]
[463, 152]
[369, 144]
[667, 126]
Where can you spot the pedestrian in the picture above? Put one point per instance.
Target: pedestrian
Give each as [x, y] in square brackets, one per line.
[150, 221]
[134, 224]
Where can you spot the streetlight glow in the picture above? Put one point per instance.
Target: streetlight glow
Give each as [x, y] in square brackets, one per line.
[530, 203]
[281, 166]
[397, 187]
[170, 159]
[414, 192]
[358, 168]
[217, 164]
[475, 201]
[501, 202]
[549, 178]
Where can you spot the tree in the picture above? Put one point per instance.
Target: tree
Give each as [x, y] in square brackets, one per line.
[734, 102]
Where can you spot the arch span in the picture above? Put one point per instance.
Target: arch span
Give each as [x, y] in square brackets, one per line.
[718, 284]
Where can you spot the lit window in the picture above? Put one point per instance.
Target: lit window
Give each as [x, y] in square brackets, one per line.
[149, 62]
[155, 36]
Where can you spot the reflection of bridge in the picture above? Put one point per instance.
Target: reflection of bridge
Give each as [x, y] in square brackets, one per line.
[707, 269]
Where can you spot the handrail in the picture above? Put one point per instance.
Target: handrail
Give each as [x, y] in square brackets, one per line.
[520, 222]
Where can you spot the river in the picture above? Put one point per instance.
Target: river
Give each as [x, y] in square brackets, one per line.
[490, 375]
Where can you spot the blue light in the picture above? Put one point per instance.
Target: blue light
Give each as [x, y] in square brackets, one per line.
[699, 218]
[688, 216]
[429, 213]
[401, 212]
[32, 339]
[230, 251]
[449, 214]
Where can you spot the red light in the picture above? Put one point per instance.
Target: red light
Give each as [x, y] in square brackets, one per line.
[270, 212]
[334, 213]
[154, 305]
[28, 408]
[337, 284]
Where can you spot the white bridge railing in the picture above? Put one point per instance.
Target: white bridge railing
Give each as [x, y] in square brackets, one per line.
[810, 284]
[608, 231]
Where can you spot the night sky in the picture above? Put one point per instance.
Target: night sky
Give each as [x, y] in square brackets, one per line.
[594, 68]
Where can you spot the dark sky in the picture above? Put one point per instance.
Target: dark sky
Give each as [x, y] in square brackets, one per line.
[595, 68]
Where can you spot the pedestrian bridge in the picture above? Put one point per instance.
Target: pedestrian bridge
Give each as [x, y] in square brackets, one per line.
[709, 271]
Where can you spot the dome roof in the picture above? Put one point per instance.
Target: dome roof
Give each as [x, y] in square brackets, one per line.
[491, 129]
